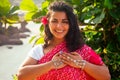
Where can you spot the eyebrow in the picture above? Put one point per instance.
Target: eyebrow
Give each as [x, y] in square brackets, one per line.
[62, 19]
[65, 19]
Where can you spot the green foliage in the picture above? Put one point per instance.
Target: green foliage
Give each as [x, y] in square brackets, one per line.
[12, 17]
[104, 37]
[99, 18]
[33, 12]
[40, 41]
[32, 38]
[30, 7]
[7, 12]
[4, 7]
[117, 32]
[45, 5]
[14, 77]
[108, 4]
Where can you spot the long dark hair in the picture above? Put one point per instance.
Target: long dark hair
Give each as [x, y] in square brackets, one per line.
[73, 38]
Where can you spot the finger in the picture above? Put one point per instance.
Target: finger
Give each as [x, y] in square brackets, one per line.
[66, 58]
[61, 52]
[74, 53]
[57, 54]
[67, 54]
[71, 56]
[66, 61]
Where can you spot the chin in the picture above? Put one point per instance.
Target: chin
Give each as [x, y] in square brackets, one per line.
[60, 38]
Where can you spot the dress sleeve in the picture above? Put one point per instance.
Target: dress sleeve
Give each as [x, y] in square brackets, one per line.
[95, 58]
[36, 52]
[91, 55]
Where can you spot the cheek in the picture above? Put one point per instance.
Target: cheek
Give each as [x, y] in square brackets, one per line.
[51, 28]
[67, 28]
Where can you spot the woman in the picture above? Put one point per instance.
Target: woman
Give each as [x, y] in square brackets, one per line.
[64, 56]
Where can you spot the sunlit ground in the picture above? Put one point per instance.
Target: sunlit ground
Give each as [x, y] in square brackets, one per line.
[11, 59]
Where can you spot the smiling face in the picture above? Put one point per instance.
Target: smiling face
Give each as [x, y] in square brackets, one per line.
[58, 24]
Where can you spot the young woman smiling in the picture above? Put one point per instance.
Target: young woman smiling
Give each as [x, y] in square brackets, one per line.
[64, 55]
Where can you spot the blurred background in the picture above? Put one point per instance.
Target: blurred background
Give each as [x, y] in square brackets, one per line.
[20, 29]
[14, 51]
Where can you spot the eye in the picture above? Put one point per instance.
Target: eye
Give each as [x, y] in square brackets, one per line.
[53, 21]
[66, 22]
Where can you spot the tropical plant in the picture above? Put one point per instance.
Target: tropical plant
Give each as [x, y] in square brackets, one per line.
[34, 13]
[14, 77]
[7, 12]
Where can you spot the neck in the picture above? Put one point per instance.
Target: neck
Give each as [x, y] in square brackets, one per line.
[55, 42]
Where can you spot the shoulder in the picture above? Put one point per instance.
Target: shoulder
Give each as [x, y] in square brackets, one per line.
[88, 53]
[88, 50]
[86, 47]
[39, 46]
[36, 52]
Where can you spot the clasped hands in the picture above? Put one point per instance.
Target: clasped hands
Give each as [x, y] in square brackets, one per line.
[73, 59]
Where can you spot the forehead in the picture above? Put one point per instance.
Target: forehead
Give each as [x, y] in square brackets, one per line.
[58, 15]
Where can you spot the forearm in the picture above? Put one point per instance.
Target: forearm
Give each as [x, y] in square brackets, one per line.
[96, 71]
[30, 72]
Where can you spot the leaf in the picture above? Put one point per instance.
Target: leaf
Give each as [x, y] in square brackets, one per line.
[108, 4]
[105, 50]
[117, 31]
[12, 18]
[45, 4]
[115, 13]
[28, 5]
[4, 7]
[29, 16]
[114, 66]
[13, 9]
[33, 37]
[77, 2]
[41, 28]
[36, 15]
[99, 19]
[14, 77]
[111, 47]
[86, 8]
[40, 41]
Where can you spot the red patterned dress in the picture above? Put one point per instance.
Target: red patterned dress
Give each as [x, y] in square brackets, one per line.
[68, 72]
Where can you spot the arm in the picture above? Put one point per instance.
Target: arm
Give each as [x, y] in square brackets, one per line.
[96, 71]
[30, 69]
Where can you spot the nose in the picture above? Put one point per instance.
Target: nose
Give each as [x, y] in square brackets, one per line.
[59, 25]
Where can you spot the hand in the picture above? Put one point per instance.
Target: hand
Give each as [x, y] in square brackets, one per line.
[57, 62]
[71, 58]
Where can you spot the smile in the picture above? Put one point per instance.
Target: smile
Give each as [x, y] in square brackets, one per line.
[59, 31]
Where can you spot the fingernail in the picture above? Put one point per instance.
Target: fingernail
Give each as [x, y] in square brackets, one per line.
[61, 52]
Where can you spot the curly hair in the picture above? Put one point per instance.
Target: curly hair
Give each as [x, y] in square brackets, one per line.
[73, 38]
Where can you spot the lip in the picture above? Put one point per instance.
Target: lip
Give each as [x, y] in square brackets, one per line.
[59, 31]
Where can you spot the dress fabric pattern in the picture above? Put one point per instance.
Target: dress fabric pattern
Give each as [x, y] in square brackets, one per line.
[68, 72]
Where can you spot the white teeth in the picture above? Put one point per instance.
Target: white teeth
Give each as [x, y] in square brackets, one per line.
[59, 31]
